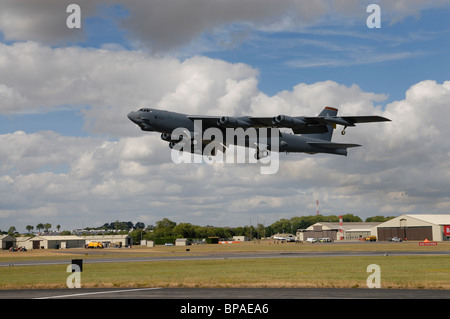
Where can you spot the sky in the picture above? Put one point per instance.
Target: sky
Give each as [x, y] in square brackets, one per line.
[69, 155]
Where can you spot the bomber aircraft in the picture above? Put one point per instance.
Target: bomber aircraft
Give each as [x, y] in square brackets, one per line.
[310, 134]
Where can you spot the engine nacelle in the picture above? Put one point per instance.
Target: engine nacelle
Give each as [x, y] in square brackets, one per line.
[169, 138]
[233, 122]
[166, 137]
[288, 121]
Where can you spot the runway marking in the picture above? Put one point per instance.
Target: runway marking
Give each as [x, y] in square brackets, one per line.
[96, 293]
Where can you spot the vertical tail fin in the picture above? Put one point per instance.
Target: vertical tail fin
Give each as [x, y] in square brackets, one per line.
[327, 111]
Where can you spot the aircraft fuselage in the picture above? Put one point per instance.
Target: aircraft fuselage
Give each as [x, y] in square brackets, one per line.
[165, 122]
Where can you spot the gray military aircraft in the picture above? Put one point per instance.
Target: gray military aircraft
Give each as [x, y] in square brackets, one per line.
[311, 134]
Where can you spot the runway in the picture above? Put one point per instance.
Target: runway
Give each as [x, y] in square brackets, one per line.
[225, 294]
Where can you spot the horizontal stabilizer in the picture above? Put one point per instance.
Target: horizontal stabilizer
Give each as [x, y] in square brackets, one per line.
[332, 145]
[344, 120]
[364, 119]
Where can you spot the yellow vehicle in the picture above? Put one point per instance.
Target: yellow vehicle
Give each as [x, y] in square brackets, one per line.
[95, 244]
[371, 238]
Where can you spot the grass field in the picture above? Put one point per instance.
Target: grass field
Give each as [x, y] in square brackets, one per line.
[420, 272]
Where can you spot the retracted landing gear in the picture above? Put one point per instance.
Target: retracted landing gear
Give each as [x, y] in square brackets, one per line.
[261, 153]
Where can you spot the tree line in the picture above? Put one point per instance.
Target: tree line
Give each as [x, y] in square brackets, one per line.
[167, 228]
[41, 226]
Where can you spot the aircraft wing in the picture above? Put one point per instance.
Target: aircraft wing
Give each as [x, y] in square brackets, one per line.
[256, 122]
[207, 121]
[364, 119]
[299, 124]
[297, 128]
[344, 120]
[331, 145]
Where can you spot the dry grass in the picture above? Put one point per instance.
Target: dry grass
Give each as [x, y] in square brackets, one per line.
[430, 272]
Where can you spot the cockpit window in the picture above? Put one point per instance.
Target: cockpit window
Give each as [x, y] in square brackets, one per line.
[145, 110]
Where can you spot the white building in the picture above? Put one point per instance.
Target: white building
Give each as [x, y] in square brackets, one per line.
[335, 231]
[7, 241]
[110, 240]
[54, 242]
[415, 227]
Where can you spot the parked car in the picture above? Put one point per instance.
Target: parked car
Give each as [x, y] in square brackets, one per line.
[311, 240]
[396, 239]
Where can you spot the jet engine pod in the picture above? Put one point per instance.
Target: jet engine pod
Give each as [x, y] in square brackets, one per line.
[166, 137]
[170, 138]
[288, 121]
[233, 122]
[223, 120]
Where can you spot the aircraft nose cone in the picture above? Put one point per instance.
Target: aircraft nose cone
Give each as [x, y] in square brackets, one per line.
[132, 116]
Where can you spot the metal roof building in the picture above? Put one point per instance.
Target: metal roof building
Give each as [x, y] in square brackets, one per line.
[350, 231]
[55, 242]
[7, 241]
[415, 227]
[110, 240]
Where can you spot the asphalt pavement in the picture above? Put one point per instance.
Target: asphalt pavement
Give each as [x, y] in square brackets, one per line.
[225, 293]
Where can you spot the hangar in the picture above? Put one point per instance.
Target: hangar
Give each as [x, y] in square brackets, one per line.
[7, 241]
[55, 242]
[415, 227]
[350, 231]
[110, 240]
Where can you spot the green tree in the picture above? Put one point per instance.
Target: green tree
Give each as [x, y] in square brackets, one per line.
[350, 218]
[282, 226]
[47, 226]
[29, 228]
[11, 230]
[260, 231]
[119, 225]
[39, 227]
[381, 219]
[184, 230]
[139, 225]
[136, 236]
[164, 228]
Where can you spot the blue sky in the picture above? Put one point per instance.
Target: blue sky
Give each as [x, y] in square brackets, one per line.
[67, 146]
[386, 61]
